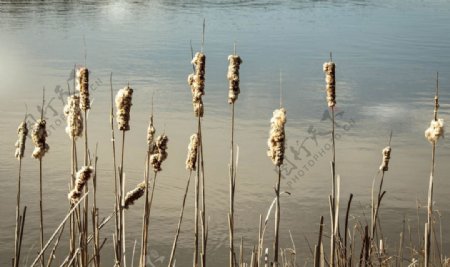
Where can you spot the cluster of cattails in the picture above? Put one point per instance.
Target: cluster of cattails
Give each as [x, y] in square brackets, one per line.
[38, 136]
[123, 104]
[192, 153]
[72, 111]
[435, 130]
[160, 154]
[196, 81]
[22, 133]
[82, 177]
[134, 195]
[329, 69]
[386, 157]
[233, 78]
[277, 137]
[83, 87]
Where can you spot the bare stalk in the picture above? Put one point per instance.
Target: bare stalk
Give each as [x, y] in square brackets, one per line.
[174, 246]
[277, 219]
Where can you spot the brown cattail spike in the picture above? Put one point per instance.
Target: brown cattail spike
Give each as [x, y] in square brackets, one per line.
[435, 131]
[22, 133]
[83, 87]
[386, 157]
[72, 111]
[134, 195]
[123, 105]
[233, 78]
[277, 137]
[82, 177]
[192, 153]
[196, 81]
[38, 136]
[330, 79]
[157, 158]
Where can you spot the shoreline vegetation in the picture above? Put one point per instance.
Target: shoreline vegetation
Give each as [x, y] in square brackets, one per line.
[339, 242]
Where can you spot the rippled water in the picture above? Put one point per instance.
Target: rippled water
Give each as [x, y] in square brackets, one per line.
[387, 55]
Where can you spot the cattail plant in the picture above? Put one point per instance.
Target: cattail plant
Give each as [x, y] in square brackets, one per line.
[123, 106]
[22, 133]
[82, 85]
[233, 93]
[38, 136]
[145, 220]
[384, 167]
[196, 81]
[276, 143]
[432, 133]
[190, 166]
[330, 78]
[74, 129]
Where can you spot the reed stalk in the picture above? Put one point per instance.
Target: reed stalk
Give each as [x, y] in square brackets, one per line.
[433, 133]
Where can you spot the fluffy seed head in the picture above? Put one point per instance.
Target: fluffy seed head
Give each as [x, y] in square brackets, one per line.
[233, 78]
[83, 87]
[192, 153]
[386, 157]
[277, 137]
[329, 69]
[134, 195]
[123, 105]
[22, 132]
[38, 136]
[74, 119]
[435, 131]
[196, 81]
[82, 177]
[160, 155]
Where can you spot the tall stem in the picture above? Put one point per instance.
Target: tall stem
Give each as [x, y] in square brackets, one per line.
[40, 211]
[143, 260]
[430, 208]
[122, 200]
[232, 184]
[174, 246]
[333, 190]
[203, 209]
[277, 219]
[17, 231]
[196, 204]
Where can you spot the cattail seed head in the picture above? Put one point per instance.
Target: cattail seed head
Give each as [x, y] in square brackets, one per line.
[192, 153]
[386, 157]
[123, 104]
[72, 111]
[74, 196]
[38, 136]
[83, 87]
[82, 177]
[329, 69]
[233, 78]
[22, 133]
[277, 137]
[196, 81]
[134, 195]
[435, 131]
[160, 155]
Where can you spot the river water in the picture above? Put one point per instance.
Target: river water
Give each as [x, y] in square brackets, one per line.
[387, 54]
